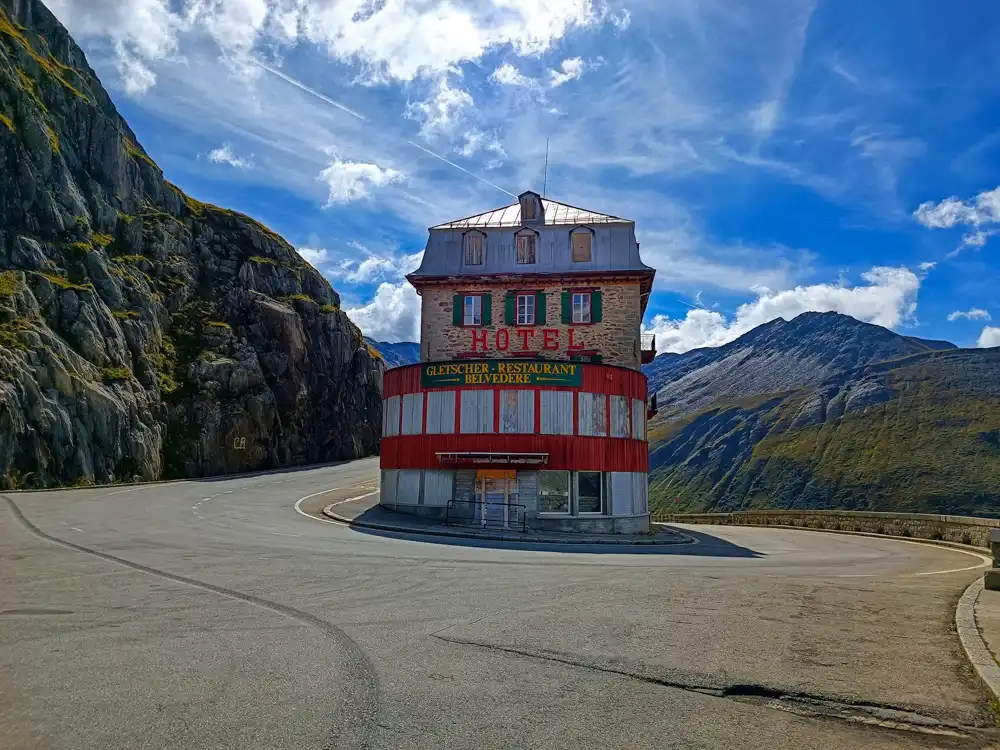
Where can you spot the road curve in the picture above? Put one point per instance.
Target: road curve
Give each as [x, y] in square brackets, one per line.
[209, 614]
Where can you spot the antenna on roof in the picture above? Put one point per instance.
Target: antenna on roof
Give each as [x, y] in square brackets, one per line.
[545, 179]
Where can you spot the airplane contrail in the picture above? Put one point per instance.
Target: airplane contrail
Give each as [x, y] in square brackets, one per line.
[348, 110]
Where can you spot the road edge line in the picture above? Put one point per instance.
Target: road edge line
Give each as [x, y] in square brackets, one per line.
[973, 644]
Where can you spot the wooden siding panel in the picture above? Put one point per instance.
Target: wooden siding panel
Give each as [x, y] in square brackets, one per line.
[390, 416]
[413, 414]
[477, 412]
[593, 414]
[620, 411]
[640, 498]
[440, 412]
[438, 486]
[517, 412]
[408, 487]
[527, 490]
[387, 487]
[638, 419]
[621, 493]
[557, 412]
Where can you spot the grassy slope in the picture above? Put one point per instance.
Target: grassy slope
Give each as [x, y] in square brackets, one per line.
[935, 447]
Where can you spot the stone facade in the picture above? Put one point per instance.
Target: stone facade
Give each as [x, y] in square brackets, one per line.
[616, 338]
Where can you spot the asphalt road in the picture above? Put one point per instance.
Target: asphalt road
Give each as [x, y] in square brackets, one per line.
[211, 614]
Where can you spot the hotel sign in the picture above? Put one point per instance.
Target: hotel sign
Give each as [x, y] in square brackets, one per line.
[494, 372]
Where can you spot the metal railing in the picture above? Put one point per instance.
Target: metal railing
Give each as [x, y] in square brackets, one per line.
[476, 513]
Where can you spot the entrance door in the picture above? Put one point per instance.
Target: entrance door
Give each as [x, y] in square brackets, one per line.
[496, 490]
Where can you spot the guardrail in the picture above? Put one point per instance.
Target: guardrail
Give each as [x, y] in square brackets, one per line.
[969, 530]
[476, 513]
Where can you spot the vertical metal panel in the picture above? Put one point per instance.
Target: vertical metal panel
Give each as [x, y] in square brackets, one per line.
[477, 412]
[408, 487]
[640, 494]
[390, 417]
[517, 412]
[638, 419]
[527, 490]
[621, 493]
[557, 412]
[620, 411]
[388, 487]
[465, 485]
[438, 486]
[440, 412]
[593, 414]
[413, 414]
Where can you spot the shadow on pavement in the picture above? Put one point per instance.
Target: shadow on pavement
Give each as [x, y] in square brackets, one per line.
[705, 545]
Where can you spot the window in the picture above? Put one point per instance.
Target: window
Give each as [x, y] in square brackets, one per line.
[557, 412]
[593, 414]
[589, 492]
[526, 309]
[474, 243]
[527, 208]
[581, 307]
[473, 310]
[582, 241]
[553, 492]
[517, 411]
[526, 247]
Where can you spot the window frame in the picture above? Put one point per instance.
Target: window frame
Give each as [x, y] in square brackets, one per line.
[582, 231]
[517, 309]
[465, 308]
[602, 497]
[526, 234]
[481, 237]
[569, 493]
[584, 296]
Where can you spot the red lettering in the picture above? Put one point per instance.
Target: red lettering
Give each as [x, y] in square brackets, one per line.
[479, 337]
[572, 344]
[551, 338]
[525, 334]
[503, 339]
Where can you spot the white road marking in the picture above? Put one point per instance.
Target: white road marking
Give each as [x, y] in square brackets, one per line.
[76, 529]
[984, 560]
[142, 487]
[298, 503]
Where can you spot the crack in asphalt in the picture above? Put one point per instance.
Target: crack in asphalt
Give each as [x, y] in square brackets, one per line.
[880, 715]
[359, 707]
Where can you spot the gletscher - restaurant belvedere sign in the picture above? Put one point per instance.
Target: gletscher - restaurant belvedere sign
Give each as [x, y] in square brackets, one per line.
[501, 372]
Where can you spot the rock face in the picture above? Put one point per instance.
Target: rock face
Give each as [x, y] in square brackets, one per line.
[144, 334]
[918, 433]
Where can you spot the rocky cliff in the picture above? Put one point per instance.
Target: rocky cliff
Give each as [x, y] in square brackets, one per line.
[917, 433]
[144, 334]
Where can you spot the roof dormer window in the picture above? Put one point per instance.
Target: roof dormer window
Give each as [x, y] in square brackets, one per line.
[475, 246]
[527, 207]
[582, 244]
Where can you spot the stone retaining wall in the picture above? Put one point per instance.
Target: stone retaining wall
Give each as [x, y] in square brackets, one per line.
[960, 529]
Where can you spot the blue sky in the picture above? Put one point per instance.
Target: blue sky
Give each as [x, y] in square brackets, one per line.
[777, 156]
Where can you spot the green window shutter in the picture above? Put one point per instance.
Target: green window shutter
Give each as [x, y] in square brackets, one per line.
[487, 309]
[457, 314]
[540, 308]
[510, 309]
[567, 307]
[596, 307]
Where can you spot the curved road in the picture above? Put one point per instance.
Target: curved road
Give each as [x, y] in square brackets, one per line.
[210, 614]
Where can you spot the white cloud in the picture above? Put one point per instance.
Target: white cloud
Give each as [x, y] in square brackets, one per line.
[225, 155]
[508, 75]
[315, 257]
[570, 69]
[397, 40]
[374, 268]
[350, 180]
[927, 265]
[393, 315]
[974, 314]
[989, 338]
[981, 213]
[442, 113]
[765, 117]
[477, 140]
[888, 298]
[136, 78]
[621, 21]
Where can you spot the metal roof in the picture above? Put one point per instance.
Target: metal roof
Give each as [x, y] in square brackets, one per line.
[510, 216]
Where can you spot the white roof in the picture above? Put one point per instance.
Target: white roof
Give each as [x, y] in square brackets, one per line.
[510, 216]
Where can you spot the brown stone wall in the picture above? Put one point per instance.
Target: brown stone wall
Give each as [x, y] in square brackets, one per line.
[615, 338]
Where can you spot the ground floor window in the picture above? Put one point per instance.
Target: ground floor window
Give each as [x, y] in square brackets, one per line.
[553, 492]
[590, 491]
